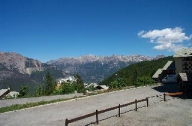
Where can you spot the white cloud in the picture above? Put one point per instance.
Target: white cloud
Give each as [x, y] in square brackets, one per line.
[140, 33]
[166, 39]
[169, 47]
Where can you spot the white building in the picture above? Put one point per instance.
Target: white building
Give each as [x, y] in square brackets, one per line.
[66, 79]
[7, 93]
[98, 87]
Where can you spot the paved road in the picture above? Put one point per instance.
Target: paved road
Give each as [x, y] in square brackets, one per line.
[55, 114]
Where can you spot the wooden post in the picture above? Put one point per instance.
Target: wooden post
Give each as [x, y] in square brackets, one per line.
[66, 122]
[147, 100]
[164, 98]
[97, 120]
[119, 110]
[135, 104]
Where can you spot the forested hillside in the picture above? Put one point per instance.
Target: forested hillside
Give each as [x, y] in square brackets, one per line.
[16, 79]
[136, 74]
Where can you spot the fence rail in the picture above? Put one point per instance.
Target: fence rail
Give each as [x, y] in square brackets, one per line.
[127, 104]
[81, 117]
[108, 109]
[96, 113]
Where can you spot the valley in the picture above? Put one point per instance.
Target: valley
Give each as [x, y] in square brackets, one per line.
[17, 70]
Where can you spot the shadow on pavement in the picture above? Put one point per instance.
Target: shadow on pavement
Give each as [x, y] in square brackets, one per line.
[170, 88]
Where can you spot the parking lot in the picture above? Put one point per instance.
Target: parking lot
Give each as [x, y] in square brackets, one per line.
[55, 114]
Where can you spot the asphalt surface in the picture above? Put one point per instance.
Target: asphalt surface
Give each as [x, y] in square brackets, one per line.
[55, 114]
[176, 112]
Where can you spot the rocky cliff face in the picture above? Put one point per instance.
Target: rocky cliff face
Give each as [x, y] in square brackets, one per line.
[17, 70]
[17, 62]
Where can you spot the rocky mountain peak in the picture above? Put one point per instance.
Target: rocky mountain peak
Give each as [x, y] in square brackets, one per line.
[24, 65]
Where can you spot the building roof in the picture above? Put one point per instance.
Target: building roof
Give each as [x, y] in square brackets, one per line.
[185, 76]
[2, 91]
[67, 79]
[184, 52]
[104, 87]
[92, 84]
[170, 65]
[157, 73]
[7, 92]
[95, 85]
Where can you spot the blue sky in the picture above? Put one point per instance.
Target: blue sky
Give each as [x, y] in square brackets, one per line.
[51, 29]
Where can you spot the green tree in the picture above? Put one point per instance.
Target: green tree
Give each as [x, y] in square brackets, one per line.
[90, 88]
[121, 82]
[39, 91]
[144, 80]
[49, 84]
[113, 84]
[23, 92]
[79, 85]
[67, 88]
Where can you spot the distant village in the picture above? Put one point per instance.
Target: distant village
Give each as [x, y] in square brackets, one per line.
[72, 79]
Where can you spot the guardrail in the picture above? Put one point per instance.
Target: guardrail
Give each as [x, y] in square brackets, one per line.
[97, 112]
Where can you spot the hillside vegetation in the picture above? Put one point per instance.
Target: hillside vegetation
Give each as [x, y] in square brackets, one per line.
[135, 74]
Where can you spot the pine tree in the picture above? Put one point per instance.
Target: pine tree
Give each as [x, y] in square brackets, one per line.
[79, 84]
[49, 84]
[24, 91]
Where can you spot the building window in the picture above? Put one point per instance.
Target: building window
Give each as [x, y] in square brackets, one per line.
[186, 59]
[185, 64]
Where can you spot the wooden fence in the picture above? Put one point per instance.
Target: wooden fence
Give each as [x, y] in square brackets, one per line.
[96, 113]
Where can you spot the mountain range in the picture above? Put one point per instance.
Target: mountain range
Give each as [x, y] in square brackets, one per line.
[95, 68]
[17, 70]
